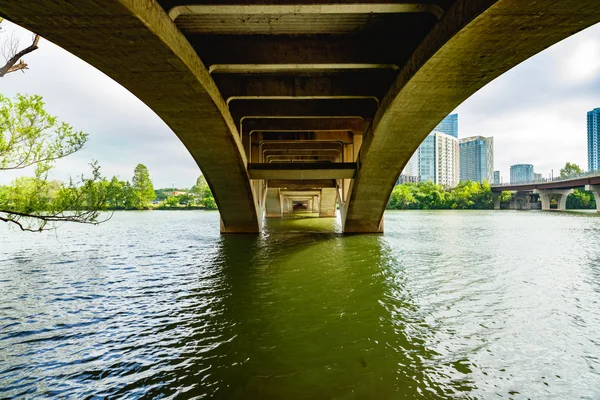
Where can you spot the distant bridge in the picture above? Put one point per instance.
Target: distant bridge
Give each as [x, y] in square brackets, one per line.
[302, 85]
[526, 193]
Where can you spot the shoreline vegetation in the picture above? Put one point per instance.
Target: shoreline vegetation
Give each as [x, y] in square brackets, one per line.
[466, 196]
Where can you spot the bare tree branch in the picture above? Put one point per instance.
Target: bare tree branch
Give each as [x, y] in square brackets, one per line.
[13, 64]
[80, 217]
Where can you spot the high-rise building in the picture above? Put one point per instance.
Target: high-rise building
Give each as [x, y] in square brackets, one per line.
[496, 177]
[593, 139]
[449, 125]
[410, 173]
[537, 177]
[436, 160]
[422, 164]
[521, 173]
[447, 164]
[426, 159]
[477, 159]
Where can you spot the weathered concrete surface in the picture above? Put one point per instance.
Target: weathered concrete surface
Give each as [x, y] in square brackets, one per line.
[289, 124]
[299, 108]
[560, 194]
[328, 204]
[520, 201]
[595, 189]
[135, 43]
[305, 184]
[475, 42]
[370, 82]
[301, 171]
[273, 203]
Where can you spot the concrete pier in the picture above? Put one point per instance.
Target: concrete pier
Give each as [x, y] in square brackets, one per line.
[560, 194]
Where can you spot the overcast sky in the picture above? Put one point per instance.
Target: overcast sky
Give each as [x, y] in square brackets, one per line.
[536, 112]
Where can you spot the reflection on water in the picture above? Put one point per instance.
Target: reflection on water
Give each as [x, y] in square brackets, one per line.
[444, 305]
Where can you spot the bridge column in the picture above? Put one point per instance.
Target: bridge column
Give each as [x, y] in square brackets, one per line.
[520, 201]
[328, 202]
[273, 204]
[595, 189]
[546, 196]
[496, 197]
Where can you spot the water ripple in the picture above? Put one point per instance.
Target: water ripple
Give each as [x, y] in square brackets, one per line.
[445, 305]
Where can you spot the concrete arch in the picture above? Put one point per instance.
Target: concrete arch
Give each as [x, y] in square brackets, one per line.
[303, 80]
[473, 43]
[138, 45]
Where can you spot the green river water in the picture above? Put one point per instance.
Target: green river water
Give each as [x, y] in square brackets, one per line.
[445, 304]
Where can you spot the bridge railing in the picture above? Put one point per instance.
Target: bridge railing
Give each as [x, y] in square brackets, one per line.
[589, 174]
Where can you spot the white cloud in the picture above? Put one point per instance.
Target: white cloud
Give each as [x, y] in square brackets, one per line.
[582, 63]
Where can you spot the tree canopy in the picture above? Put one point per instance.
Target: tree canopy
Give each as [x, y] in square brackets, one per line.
[142, 184]
[429, 196]
[570, 169]
[30, 137]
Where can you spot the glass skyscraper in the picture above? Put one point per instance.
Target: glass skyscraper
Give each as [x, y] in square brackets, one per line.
[477, 159]
[593, 139]
[426, 159]
[422, 165]
[496, 177]
[449, 125]
[435, 160]
[521, 173]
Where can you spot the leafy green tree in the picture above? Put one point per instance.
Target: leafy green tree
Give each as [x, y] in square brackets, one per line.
[506, 196]
[200, 189]
[570, 169]
[170, 202]
[160, 194]
[429, 196]
[142, 186]
[186, 199]
[402, 197]
[581, 200]
[30, 137]
[209, 203]
[202, 194]
[130, 196]
[116, 194]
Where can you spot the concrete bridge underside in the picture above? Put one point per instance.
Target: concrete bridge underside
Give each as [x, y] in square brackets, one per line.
[313, 100]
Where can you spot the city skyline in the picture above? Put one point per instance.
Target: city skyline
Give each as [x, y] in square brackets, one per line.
[593, 138]
[546, 96]
[477, 159]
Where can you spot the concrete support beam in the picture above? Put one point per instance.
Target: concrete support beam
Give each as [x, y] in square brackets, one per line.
[322, 124]
[301, 108]
[273, 204]
[520, 201]
[328, 202]
[496, 197]
[300, 171]
[368, 82]
[595, 189]
[561, 197]
[306, 184]
[280, 10]
[307, 49]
